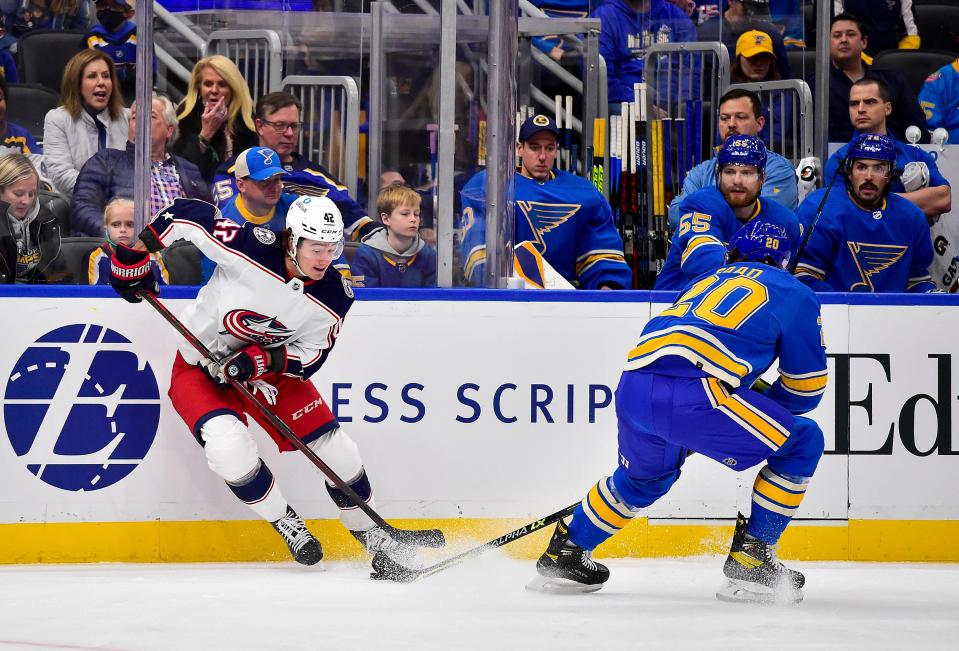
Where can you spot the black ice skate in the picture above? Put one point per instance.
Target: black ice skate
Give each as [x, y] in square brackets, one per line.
[305, 548]
[754, 574]
[377, 540]
[566, 567]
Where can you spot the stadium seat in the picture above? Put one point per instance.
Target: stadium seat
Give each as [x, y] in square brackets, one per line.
[915, 65]
[809, 25]
[938, 27]
[349, 250]
[802, 63]
[75, 252]
[44, 54]
[27, 105]
[182, 261]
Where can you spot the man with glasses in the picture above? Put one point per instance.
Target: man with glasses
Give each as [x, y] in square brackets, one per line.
[711, 216]
[278, 128]
[866, 239]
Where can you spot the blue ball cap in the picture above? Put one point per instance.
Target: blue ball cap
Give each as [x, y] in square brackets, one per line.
[873, 146]
[743, 150]
[258, 163]
[762, 241]
[535, 124]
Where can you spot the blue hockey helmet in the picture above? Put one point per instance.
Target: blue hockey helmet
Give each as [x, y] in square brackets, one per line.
[871, 146]
[760, 241]
[742, 150]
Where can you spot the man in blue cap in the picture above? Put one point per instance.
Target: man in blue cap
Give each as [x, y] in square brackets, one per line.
[566, 220]
[711, 216]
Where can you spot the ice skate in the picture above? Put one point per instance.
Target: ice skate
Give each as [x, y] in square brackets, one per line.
[303, 546]
[566, 567]
[754, 574]
[378, 541]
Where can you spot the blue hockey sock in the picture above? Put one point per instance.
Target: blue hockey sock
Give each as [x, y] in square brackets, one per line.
[776, 497]
[601, 514]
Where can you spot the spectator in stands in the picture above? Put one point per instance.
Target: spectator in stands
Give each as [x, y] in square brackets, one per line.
[636, 23]
[743, 16]
[741, 113]
[216, 116]
[396, 256]
[8, 41]
[116, 34]
[278, 124]
[555, 46]
[755, 61]
[119, 228]
[8, 66]
[29, 233]
[866, 239]
[939, 98]
[847, 42]
[891, 24]
[92, 117]
[787, 16]
[567, 219]
[711, 216]
[920, 181]
[13, 136]
[67, 15]
[109, 173]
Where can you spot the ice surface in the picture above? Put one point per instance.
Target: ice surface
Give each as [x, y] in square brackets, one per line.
[482, 604]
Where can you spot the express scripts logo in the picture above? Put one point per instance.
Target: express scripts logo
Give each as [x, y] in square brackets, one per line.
[81, 408]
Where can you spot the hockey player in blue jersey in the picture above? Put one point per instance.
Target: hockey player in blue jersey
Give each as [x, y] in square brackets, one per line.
[709, 217]
[277, 120]
[939, 98]
[569, 221]
[866, 239]
[686, 387]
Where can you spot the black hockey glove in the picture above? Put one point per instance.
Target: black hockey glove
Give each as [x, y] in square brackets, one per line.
[251, 363]
[130, 273]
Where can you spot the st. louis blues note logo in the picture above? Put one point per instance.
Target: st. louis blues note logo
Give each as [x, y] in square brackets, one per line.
[872, 259]
[544, 217]
[247, 325]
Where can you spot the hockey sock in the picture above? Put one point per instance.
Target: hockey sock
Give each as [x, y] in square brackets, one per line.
[350, 515]
[601, 514]
[259, 490]
[776, 497]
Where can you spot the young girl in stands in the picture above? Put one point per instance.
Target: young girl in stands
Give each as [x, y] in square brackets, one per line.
[396, 256]
[29, 233]
[118, 225]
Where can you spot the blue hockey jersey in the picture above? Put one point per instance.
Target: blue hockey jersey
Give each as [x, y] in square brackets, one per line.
[121, 46]
[377, 264]
[732, 324]
[856, 250]
[303, 178]
[939, 98]
[706, 225]
[569, 221]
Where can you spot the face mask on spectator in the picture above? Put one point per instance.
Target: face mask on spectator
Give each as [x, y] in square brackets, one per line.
[110, 19]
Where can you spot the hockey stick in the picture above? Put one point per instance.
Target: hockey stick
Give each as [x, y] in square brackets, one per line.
[388, 569]
[815, 220]
[431, 537]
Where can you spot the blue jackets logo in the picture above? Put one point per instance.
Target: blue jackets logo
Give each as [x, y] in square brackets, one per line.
[81, 408]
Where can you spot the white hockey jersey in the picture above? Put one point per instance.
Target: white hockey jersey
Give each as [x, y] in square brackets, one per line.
[251, 299]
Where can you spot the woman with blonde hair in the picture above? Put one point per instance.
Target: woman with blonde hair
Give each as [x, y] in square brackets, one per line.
[29, 233]
[216, 116]
[91, 117]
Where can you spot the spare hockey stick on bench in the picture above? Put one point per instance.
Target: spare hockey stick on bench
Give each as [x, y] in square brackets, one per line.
[424, 538]
[388, 569]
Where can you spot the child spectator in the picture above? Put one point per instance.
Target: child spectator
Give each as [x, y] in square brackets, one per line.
[115, 33]
[67, 15]
[13, 136]
[396, 256]
[119, 228]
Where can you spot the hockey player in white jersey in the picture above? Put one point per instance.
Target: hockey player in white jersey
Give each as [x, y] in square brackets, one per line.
[271, 312]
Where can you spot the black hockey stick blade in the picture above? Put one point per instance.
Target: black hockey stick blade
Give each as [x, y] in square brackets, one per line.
[388, 569]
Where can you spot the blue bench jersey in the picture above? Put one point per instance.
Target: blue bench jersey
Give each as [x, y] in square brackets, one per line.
[568, 220]
[733, 323]
[856, 250]
[706, 224]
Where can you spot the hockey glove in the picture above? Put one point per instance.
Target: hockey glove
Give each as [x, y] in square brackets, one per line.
[808, 173]
[213, 371]
[915, 176]
[130, 273]
[251, 363]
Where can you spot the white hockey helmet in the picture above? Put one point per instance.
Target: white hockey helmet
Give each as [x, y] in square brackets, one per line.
[316, 219]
